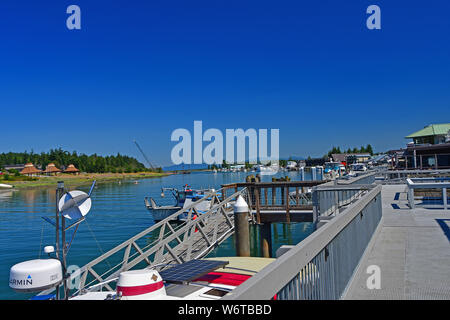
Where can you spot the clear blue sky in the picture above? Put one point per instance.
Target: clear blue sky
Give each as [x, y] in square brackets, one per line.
[140, 69]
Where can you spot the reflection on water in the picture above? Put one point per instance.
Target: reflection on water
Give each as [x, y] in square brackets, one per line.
[118, 213]
[5, 194]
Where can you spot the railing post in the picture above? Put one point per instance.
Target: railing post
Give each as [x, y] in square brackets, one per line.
[241, 227]
[315, 203]
[444, 197]
[411, 197]
[288, 216]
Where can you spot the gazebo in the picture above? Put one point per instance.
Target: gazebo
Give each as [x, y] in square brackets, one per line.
[30, 170]
[52, 169]
[71, 169]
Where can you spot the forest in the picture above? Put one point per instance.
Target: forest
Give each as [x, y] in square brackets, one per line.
[85, 163]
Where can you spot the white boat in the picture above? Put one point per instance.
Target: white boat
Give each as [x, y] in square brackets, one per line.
[6, 186]
[182, 199]
[356, 168]
[291, 166]
[268, 170]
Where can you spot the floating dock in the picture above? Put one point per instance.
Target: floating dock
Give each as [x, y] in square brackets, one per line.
[411, 248]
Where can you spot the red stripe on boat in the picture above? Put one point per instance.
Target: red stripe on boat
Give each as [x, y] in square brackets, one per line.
[134, 291]
[231, 279]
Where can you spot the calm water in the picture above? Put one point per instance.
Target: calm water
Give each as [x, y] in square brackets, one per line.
[118, 212]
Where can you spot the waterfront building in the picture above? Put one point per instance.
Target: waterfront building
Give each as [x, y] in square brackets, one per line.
[51, 169]
[30, 170]
[431, 134]
[430, 149]
[347, 158]
[71, 169]
[18, 167]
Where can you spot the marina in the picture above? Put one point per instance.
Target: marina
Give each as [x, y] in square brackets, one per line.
[362, 208]
[118, 212]
[218, 158]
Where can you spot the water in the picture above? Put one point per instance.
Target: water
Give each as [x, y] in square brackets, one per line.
[118, 212]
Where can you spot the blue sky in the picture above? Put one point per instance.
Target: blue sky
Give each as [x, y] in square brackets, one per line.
[140, 69]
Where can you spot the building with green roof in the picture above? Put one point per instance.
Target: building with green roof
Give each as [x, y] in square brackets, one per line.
[431, 134]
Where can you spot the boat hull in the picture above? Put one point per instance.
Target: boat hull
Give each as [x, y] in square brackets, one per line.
[162, 213]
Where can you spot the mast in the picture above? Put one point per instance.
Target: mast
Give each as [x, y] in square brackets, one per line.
[145, 157]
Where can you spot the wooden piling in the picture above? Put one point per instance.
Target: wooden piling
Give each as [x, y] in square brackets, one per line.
[266, 240]
[241, 227]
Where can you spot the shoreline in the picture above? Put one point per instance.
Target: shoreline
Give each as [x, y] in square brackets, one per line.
[81, 179]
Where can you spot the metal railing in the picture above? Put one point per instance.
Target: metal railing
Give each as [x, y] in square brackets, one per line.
[322, 265]
[367, 177]
[164, 244]
[328, 201]
[276, 196]
[433, 191]
[400, 176]
[330, 198]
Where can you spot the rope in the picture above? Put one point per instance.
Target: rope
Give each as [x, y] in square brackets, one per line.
[98, 244]
[42, 236]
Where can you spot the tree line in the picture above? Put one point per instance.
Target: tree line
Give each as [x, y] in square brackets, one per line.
[92, 164]
[337, 150]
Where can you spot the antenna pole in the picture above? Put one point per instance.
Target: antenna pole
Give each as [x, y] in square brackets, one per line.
[59, 192]
[64, 250]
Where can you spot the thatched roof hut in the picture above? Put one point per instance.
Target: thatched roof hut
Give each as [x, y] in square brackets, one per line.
[52, 169]
[71, 169]
[30, 169]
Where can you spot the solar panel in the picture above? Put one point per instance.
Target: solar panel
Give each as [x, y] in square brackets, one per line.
[191, 270]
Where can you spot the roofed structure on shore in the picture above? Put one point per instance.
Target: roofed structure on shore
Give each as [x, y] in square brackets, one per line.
[350, 157]
[30, 170]
[431, 134]
[18, 167]
[52, 169]
[71, 169]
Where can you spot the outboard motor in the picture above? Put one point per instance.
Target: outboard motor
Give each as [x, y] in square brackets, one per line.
[140, 285]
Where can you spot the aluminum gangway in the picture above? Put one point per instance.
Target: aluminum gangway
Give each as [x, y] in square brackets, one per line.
[164, 243]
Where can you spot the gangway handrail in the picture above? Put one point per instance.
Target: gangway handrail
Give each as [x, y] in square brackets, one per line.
[208, 231]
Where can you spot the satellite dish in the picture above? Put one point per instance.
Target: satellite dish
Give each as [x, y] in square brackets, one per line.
[75, 204]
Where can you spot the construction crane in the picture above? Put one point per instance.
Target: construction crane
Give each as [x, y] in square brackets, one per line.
[145, 157]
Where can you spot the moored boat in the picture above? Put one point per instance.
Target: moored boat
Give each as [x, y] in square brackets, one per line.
[182, 199]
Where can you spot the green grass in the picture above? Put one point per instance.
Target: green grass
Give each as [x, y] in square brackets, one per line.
[82, 179]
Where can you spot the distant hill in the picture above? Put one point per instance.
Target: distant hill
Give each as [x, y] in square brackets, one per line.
[185, 167]
[295, 158]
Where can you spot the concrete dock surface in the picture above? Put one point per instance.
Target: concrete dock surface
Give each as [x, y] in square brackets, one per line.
[411, 249]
